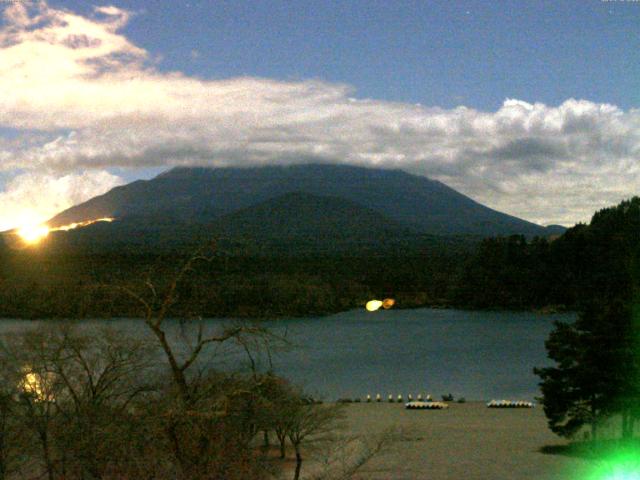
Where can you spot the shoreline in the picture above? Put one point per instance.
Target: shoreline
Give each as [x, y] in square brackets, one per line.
[547, 310]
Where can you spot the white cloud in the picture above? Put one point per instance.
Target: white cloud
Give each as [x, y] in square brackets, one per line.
[100, 103]
[32, 198]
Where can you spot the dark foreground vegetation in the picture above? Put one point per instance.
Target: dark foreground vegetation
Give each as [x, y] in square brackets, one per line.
[98, 404]
[596, 376]
[78, 402]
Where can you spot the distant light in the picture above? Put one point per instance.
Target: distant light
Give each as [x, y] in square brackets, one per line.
[86, 223]
[32, 234]
[373, 305]
[36, 384]
[387, 303]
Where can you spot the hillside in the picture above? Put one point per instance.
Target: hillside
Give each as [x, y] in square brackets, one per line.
[203, 196]
[292, 223]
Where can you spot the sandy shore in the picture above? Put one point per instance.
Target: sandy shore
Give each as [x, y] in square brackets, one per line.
[467, 441]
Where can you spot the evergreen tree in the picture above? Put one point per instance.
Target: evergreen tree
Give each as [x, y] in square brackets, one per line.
[597, 371]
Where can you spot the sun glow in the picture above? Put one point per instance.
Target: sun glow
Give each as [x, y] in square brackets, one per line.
[35, 233]
[32, 234]
[71, 226]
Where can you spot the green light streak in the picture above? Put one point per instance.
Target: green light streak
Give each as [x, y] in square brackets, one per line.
[622, 464]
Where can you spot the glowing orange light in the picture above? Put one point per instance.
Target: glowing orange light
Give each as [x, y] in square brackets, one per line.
[373, 305]
[32, 234]
[71, 226]
[387, 303]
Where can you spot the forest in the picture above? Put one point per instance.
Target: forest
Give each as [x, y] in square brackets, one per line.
[514, 273]
[596, 373]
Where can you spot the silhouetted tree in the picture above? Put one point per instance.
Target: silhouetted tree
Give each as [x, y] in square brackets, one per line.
[597, 372]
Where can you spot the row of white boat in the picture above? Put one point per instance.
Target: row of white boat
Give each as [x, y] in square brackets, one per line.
[426, 405]
[509, 404]
[399, 398]
[417, 405]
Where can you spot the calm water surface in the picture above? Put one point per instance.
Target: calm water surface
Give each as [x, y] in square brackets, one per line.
[478, 355]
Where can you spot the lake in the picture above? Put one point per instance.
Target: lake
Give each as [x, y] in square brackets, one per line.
[477, 355]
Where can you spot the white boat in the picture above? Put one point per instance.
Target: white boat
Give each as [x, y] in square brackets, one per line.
[509, 404]
[417, 405]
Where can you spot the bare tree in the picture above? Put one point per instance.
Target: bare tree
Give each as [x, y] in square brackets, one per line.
[155, 307]
[12, 436]
[74, 392]
[344, 457]
[102, 374]
[26, 369]
[309, 420]
[205, 405]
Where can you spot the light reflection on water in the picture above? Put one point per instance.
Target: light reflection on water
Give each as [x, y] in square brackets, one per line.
[478, 355]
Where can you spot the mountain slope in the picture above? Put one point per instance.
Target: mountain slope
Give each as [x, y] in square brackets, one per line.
[300, 215]
[203, 195]
[297, 221]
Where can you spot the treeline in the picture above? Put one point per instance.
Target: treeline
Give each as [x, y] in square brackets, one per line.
[596, 376]
[37, 284]
[496, 273]
[513, 273]
[564, 273]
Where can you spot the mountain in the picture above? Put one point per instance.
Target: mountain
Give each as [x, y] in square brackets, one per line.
[299, 215]
[296, 220]
[301, 200]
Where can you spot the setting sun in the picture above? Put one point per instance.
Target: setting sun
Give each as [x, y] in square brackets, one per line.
[35, 233]
[32, 234]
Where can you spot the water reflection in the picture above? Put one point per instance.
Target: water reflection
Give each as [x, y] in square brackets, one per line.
[477, 355]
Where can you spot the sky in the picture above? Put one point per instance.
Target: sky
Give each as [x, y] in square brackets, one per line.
[529, 107]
